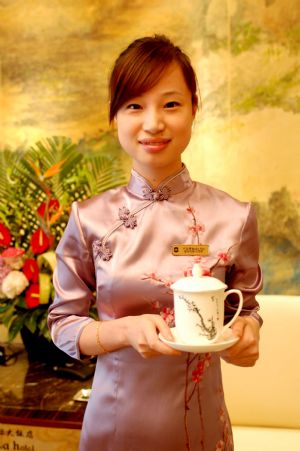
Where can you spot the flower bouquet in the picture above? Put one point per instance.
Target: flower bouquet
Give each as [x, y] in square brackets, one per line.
[37, 187]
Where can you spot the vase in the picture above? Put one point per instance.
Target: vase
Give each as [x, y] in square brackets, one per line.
[44, 354]
[39, 349]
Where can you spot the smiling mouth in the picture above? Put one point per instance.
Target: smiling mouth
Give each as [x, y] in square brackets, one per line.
[154, 145]
[154, 142]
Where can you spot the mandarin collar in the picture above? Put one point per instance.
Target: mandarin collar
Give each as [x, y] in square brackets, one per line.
[173, 184]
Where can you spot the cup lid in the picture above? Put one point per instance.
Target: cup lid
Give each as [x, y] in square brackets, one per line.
[198, 282]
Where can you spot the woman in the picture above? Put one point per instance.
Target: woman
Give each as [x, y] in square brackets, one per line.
[146, 395]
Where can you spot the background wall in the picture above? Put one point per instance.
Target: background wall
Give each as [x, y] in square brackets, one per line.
[56, 58]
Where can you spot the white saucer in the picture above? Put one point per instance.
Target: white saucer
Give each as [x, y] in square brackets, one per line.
[225, 341]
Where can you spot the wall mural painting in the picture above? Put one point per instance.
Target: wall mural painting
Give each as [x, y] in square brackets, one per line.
[55, 65]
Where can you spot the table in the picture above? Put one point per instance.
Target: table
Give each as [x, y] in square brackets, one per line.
[37, 409]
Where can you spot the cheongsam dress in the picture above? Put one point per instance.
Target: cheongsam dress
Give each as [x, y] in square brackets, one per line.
[117, 247]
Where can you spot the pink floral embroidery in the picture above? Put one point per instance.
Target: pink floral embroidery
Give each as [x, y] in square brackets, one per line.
[167, 314]
[206, 271]
[188, 272]
[224, 257]
[190, 210]
[220, 446]
[222, 415]
[157, 279]
[200, 368]
[196, 228]
[194, 375]
[226, 442]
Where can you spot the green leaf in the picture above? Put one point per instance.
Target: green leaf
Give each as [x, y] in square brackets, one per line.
[43, 326]
[32, 319]
[15, 327]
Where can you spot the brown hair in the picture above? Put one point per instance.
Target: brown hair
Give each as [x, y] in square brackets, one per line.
[139, 67]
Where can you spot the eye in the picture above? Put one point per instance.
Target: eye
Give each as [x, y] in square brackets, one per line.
[133, 106]
[172, 104]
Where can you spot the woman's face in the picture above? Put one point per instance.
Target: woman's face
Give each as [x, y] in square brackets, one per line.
[155, 127]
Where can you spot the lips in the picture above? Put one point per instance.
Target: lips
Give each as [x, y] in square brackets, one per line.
[154, 144]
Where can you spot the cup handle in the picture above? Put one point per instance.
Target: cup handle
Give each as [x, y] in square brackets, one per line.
[239, 293]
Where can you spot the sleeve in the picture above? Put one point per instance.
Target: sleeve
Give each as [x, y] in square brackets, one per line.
[74, 284]
[245, 273]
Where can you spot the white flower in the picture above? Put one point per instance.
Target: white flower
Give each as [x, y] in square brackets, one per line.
[13, 284]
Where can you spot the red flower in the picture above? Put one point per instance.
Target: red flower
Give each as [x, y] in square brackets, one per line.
[52, 207]
[40, 242]
[13, 252]
[32, 296]
[5, 237]
[31, 270]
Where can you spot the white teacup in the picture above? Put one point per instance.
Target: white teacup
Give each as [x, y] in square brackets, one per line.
[199, 308]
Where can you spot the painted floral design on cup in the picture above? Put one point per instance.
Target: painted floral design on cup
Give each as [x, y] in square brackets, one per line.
[207, 330]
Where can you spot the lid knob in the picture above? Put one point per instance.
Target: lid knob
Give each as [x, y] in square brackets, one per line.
[197, 270]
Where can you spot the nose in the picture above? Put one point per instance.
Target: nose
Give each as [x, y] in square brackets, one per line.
[153, 121]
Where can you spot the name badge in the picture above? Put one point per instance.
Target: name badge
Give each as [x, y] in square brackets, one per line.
[190, 250]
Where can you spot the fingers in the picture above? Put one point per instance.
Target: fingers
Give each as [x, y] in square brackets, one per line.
[238, 327]
[246, 351]
[143, 336]
[164, 349]
[163, 328]
[242, 360]
[154, 346]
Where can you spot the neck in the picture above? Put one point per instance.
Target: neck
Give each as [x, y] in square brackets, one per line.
[155, 176]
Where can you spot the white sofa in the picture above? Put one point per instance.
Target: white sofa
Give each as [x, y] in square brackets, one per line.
[264, 400]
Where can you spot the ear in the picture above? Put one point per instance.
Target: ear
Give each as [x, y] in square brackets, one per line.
[115, 123]
[195, 106]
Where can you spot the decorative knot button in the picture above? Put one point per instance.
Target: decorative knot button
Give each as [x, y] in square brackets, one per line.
[102, 250]
[159, 194]
[127, 218]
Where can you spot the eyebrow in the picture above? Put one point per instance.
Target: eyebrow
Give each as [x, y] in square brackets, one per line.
[171, 93]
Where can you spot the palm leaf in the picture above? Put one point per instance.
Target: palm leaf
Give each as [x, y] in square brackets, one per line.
[52, 159]
[8, 160]
[103, 173]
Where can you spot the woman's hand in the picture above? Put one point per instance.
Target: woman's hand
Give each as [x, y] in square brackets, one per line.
[141, 332]
[246, 351]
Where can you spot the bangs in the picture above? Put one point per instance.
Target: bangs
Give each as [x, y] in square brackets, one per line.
[135, 77]
[141, 78]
